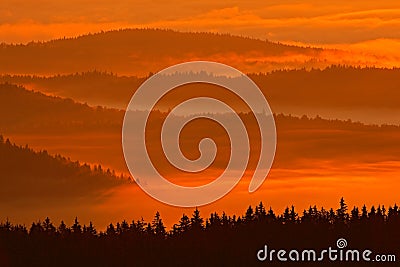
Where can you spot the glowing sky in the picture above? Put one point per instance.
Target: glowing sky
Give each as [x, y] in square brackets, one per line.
[367, 25]
[312, 21]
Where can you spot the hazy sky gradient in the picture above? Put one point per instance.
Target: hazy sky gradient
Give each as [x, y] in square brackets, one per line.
[316, 22]
[359, 24]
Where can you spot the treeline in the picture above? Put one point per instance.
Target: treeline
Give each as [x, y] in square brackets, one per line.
[337, 86]
[135, 51]
[45, 113]
[289, 121]
[26, 111]
[92, 87]
[218, 240]
[28, 175]
[147, 39]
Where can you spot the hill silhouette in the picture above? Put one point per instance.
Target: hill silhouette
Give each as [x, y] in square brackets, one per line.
[27, 111]
[62, 126]
[332, 87]
[140, 51]
[366, 94]
[93, 134]
[27, 175]
[312, 152]
[93, 87]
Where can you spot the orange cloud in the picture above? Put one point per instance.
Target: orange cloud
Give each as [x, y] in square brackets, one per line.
[358, 183]
[310, 21]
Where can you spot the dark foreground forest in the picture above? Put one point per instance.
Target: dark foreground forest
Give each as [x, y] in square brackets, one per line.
[218, 240]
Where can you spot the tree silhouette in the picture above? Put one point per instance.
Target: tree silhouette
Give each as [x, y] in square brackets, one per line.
[342, 215]
[158, 227]
[89, 230]
[184, 224]
[48, 227]
[196, 222]
[249, 214]
[221, 241]
[111, 230]
[63, 230]
[76, 227]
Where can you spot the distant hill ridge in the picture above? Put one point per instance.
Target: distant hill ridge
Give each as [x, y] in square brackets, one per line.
[333, 87]
[24, 110]
[94, 134]
[141, 38]
[47, 112]
[139, 51]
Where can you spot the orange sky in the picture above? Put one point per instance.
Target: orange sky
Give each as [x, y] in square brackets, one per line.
[369, 26]
[310, 21]
[312, 167]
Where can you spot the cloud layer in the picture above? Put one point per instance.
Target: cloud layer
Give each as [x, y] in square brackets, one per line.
[309, 21]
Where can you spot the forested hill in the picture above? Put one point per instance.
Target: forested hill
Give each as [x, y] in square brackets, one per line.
[23, 110]
[94, 134]
[137, 51]
[28, 175]
[332, 88]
